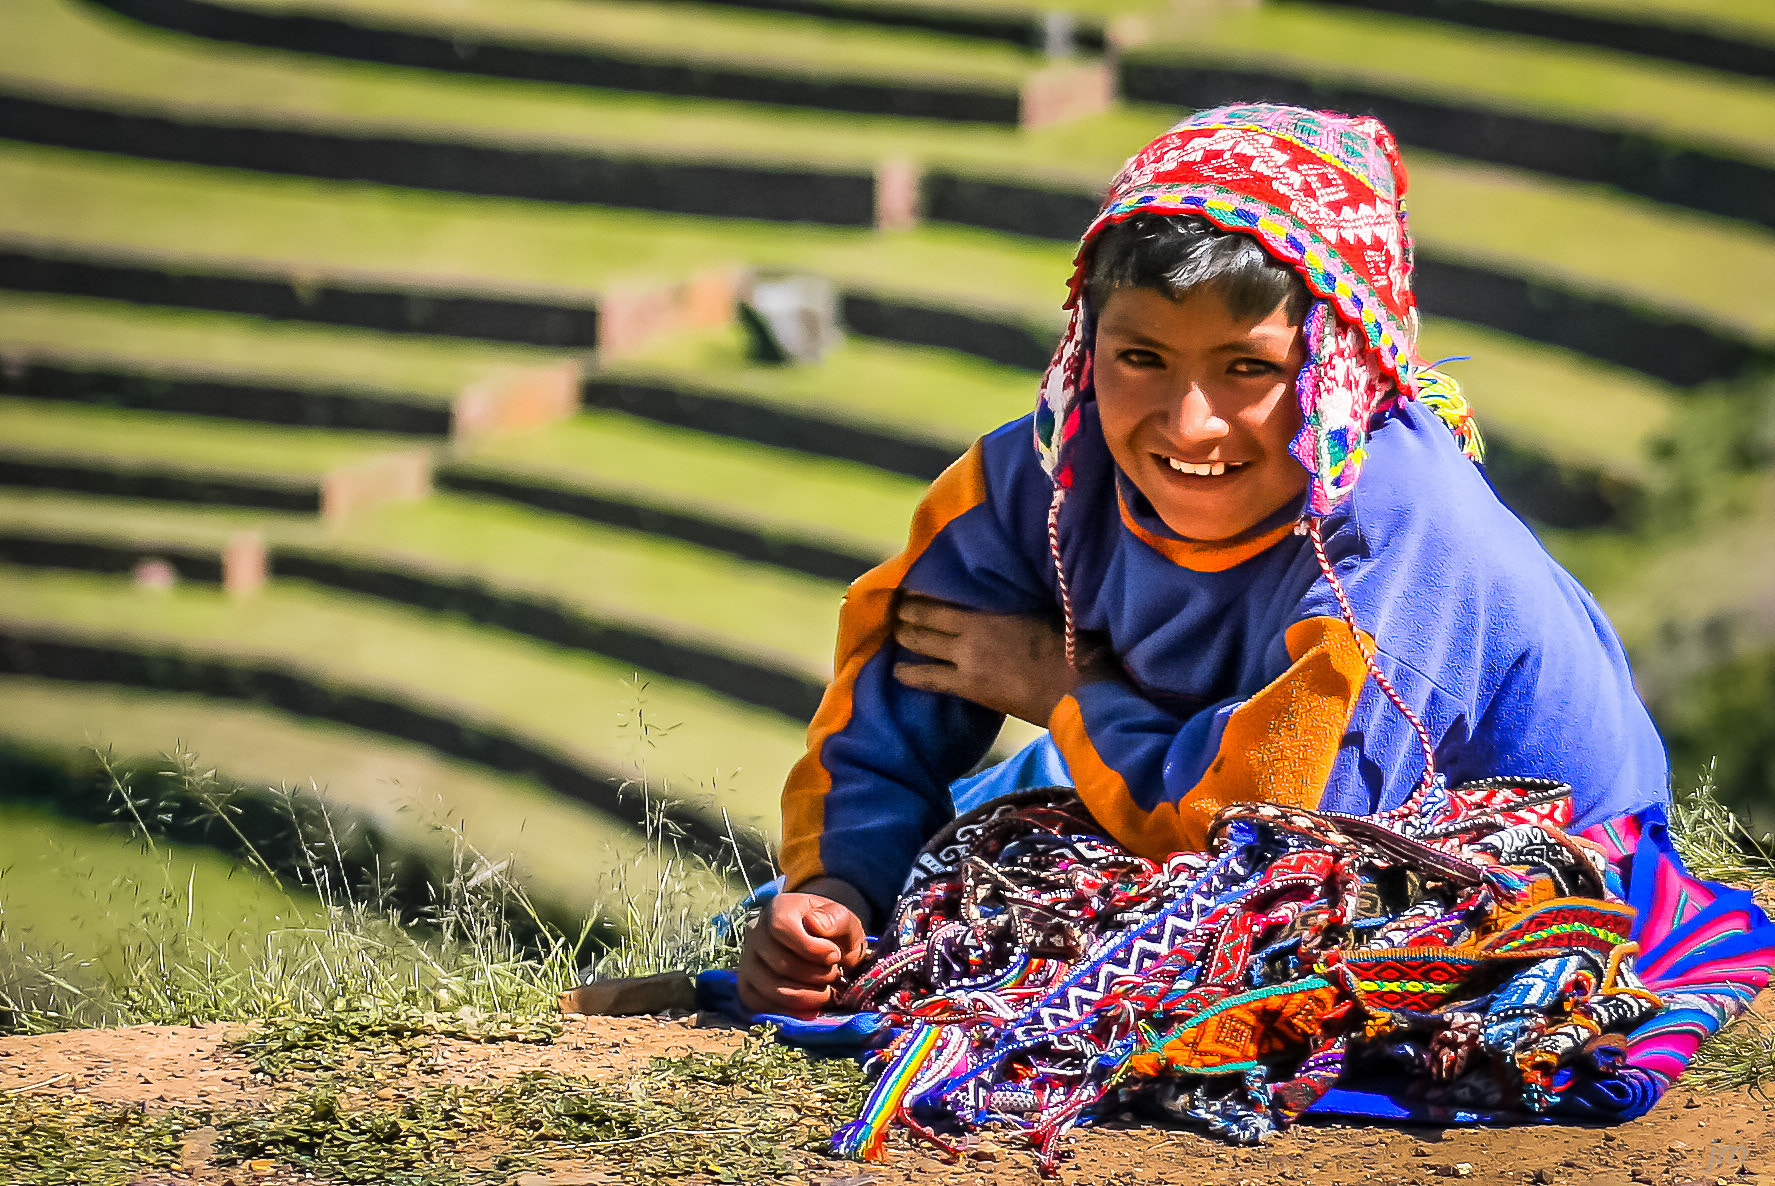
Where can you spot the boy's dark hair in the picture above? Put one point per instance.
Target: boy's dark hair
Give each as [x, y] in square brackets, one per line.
[1175, 253]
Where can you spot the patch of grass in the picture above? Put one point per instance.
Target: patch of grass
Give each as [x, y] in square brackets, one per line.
[1718, 845]
[344, 938]
[1714, 842]
[351, 962]
[403, 788]
[315, 1133]
[80, 905]
[727, 1118]
[395, 1032]
[54, 1141]
[1741, 1055]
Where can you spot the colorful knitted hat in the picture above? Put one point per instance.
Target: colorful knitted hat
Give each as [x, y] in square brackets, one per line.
[1324, 194]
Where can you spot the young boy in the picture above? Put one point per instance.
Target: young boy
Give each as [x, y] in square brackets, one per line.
[1184, 580]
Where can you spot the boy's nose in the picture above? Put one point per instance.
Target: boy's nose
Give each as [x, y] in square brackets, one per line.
[1197, 422]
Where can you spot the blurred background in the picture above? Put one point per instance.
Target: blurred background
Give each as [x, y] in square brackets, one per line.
[381, 413]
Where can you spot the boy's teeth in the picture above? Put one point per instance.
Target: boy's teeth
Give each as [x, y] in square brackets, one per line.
[1204, 469]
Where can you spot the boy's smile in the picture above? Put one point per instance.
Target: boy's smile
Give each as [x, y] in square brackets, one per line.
[1198, 408]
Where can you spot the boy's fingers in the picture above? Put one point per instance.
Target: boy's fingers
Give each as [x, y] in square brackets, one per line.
[813, 931]
[761, 994]
[844, 928]
[926, 677]
[924, 640]
[789, 965]
[931, 614]
[791, 933]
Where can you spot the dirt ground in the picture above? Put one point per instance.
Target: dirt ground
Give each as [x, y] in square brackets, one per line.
[1717, 1138]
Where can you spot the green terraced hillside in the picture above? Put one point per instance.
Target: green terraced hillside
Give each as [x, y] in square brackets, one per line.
[521, 601]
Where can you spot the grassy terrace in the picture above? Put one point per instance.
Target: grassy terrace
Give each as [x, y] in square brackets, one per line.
[1552, 401]
[1688, 104]
[1749, 16]
[572, 701]
[124, 437]
[104, 203]
[600, 571]
[1561, 229]
[128, 519]
[834, 501]
[1531, 393]
[412, 793]
[1565, 231]
[66, 48]
[911, 391]
[100, 333]
[713, 35]
[1695, 265]
[1528, 392]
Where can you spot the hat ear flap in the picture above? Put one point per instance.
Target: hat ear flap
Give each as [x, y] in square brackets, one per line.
[1341, 388]
[1306, 443]
[1064, 379]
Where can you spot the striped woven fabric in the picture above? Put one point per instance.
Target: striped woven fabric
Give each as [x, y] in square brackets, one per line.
[1459, 958]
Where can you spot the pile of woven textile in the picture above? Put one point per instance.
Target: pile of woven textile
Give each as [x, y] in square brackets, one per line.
[1459, 957]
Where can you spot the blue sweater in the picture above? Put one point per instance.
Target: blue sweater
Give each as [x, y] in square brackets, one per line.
[1240, 678]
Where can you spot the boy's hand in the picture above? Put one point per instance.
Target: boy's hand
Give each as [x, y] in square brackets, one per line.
[1011, 663]
[799, 948]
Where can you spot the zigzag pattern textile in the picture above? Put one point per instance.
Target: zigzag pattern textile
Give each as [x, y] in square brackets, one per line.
[1458, 958]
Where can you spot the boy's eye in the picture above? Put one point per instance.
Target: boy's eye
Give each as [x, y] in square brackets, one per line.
[1254, 367]
[1140, 358]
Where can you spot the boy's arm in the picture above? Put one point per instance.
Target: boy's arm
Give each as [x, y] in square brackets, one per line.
[874, 783]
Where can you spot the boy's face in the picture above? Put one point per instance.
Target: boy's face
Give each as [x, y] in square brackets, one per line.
[1198, 408]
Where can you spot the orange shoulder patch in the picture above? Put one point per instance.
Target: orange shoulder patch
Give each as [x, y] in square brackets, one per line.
[1278, 747]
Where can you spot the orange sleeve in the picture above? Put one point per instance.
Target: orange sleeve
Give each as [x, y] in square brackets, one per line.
[865, 623]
